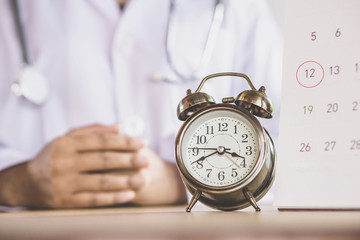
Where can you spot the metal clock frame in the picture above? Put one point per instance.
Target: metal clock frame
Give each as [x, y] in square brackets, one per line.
[249, 189]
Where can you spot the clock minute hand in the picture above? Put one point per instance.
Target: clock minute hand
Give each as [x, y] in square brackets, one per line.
[208, 148]
[203, 157]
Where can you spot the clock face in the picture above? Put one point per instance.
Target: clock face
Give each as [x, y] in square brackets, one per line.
[220, 148]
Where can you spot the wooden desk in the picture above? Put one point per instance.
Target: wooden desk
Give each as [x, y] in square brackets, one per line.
[175, 223]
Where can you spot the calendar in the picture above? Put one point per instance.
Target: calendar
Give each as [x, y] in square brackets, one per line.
[319, 139]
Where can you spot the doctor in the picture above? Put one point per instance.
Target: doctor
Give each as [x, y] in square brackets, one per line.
[100, 131]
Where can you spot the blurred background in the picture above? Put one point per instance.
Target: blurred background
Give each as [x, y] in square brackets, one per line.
[278, 7]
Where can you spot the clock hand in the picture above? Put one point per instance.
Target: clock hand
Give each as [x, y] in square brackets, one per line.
[203, 157]
[215, 149]
[234, 154]
[232, 160]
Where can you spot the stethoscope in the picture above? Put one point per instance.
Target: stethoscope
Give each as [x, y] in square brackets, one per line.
[30, 83]
[34, 87]
[197, 72]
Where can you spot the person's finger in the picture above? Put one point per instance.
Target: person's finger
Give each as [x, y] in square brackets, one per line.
[109, 182]
[100, 199]
[107, 160]
[98, 142]
[96, 128]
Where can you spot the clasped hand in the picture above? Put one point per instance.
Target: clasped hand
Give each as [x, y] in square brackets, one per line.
[95, 166]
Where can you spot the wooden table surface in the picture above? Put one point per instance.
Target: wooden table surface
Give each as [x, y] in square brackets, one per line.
[175, 223]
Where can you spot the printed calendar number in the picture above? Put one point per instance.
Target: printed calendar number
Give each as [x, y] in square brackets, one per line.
[337, 33]
[308, 109]
[310, 74]
[355, 144]
[329, 146]
[356, 106]
[332, 107]
[313, 36]
[305, 147]
[320, 110]
[335, 70]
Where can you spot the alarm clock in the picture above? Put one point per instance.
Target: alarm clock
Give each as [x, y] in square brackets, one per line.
[226, 159]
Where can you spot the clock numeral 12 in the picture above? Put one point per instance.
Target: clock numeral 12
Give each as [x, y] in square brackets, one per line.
[223, 127]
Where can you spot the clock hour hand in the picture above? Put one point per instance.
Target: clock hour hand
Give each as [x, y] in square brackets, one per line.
[204, 157]
[234, 154]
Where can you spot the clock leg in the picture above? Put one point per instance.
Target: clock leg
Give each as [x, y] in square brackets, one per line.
[251, 199]
[194, 199]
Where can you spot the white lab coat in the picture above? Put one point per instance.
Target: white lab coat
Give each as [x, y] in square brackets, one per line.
[100, 64]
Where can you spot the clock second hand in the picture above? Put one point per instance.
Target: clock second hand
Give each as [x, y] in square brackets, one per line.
[232, 160]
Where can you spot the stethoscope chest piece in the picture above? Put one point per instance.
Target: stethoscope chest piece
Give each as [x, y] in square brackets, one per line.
[133, 126]
[31, 85]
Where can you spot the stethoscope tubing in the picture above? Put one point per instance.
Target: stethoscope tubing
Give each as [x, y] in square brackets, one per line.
[20, 31]
[30, 83]
[214, 29]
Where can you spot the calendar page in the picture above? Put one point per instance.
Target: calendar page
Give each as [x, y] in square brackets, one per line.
[319, 141]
